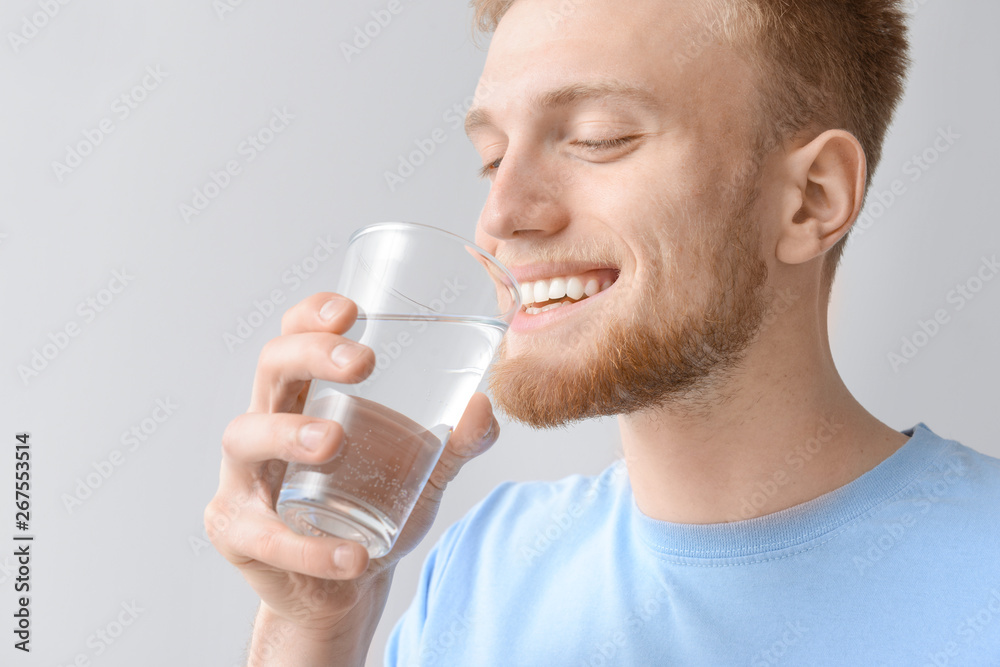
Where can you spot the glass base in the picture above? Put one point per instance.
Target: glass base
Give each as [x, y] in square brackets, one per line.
[337, 516]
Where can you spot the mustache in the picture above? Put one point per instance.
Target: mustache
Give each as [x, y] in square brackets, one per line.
[597, 251]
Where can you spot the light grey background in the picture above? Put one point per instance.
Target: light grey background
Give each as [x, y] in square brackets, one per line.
[139, 536]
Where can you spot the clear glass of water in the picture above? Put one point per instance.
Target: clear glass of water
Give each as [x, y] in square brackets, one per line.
[434, 308]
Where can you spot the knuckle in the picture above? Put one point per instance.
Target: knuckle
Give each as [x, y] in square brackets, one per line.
[451, 467]
[230, 439]
[267, 353]
[281, 438]
[291, 441]
[216, 522]
[207, 517]
[445, 471]
[304, 557]
[268, 545]
[220, 516]
[438, 480]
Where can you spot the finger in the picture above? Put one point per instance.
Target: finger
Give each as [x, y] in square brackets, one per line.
[476, 431]
[287, 361]
[262, 540]
[256, 437]
[323, 311]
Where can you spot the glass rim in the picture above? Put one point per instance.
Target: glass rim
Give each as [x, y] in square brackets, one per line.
[419, 226]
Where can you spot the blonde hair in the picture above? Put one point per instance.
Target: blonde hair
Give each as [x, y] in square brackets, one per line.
[819, 64]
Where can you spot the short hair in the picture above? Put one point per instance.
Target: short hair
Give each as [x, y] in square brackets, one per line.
[819, 64]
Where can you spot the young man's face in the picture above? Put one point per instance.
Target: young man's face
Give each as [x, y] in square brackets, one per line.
[666, 210]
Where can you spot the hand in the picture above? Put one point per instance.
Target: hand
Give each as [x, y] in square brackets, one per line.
[314, 583]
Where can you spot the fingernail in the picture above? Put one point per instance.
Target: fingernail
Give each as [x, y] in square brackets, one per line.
[312, 436]
[329, 309]
[343, 557]
[345, 353]
[491, 432]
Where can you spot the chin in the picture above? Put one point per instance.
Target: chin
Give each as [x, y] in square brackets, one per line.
[545, 386]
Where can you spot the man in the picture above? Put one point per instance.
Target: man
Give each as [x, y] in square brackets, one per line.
[680, 178]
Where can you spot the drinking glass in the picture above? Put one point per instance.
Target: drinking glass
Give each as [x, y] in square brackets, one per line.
[434, 308]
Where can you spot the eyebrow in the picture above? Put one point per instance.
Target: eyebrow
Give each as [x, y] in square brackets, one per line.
[479, 117]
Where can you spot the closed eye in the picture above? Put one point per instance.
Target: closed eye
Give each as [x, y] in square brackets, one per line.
[605, 143]
[589, 144]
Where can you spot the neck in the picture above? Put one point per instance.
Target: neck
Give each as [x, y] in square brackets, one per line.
[783, 430]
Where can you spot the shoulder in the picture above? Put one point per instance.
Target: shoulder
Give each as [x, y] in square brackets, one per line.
[960, 487]
[525, 503]
[964, 471]
[487, 563]
[517, 518]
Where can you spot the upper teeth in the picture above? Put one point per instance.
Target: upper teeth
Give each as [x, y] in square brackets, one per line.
[556, 288]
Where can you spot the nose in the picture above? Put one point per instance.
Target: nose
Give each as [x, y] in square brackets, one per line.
[528, 198]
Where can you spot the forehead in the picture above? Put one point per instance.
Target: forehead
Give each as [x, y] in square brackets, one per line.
[530, 23]
[670, 48]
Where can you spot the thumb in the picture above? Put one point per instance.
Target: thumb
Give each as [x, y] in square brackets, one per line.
[476, 431]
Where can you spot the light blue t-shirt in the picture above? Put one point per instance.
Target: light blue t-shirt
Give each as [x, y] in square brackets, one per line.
[899, 567]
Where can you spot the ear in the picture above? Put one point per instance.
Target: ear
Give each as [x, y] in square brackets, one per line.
[822, 195]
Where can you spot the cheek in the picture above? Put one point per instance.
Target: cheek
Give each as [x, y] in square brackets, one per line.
[769, 213]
